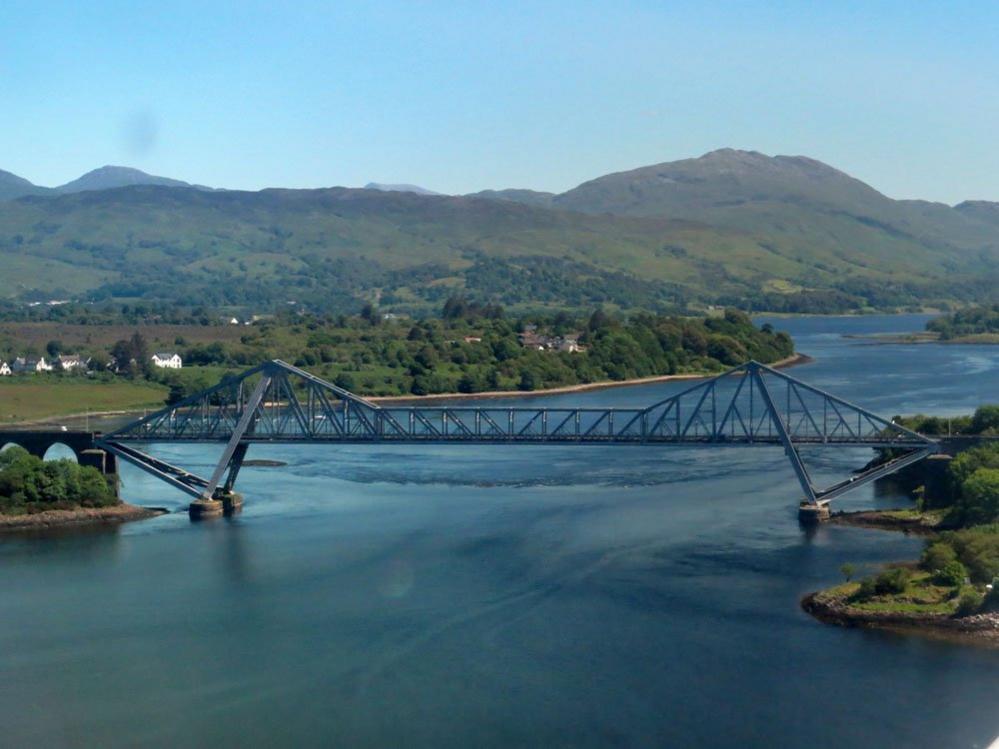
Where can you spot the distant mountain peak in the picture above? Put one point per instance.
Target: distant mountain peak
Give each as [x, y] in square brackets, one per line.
[13, 186]
[384, 187]
[111, 176]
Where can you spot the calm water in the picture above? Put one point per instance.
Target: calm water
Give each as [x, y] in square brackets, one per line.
[478, 596]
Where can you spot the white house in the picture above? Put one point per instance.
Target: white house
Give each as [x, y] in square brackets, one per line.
[23, 365]
[167, 360]
[4, 369]
[69, 362]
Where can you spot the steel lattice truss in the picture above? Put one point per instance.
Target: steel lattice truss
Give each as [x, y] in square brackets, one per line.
[749, 405]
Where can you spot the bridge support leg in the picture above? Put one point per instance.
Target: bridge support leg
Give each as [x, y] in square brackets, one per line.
[234, 465]
[210, 505]
[811, 505]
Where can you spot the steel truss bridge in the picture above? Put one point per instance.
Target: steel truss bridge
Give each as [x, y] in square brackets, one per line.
[750, 405]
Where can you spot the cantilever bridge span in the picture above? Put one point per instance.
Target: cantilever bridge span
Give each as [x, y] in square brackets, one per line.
[750, 405]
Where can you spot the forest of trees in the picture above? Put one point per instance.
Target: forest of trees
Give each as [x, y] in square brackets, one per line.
[468, 347]
[472, 348]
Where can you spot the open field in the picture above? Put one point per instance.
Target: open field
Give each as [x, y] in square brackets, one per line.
[32, 399]
[21, 335]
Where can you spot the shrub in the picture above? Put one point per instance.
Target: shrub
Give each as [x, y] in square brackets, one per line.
[952, 574]
[978, 551]
[970, 602]
[936, 556]
[867, 589]
[891, 581]
[979, 502]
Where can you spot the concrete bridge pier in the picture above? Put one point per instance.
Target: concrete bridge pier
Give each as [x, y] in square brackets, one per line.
[813, 514]
[223, 502]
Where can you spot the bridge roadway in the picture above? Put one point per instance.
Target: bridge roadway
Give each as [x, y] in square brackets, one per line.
[750, 405]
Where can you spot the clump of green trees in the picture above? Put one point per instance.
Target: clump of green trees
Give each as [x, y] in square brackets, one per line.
[473, 348]
[971, 321]
[961, 564]
[29, 484]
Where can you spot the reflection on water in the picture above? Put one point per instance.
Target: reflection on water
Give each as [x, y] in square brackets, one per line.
[496, 596]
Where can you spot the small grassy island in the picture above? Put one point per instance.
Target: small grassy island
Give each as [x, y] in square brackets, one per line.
[954, 587]
[36, 493]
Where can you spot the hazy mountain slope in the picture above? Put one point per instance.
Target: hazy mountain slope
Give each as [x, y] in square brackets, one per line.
[110, 177]
[12, 186]
[399, 188]
[527, 197]
[161, 241]
[729, 226]
[819, 210]
[980, 210]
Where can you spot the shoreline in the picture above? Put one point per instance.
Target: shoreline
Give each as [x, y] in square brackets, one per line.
[923, 339]
[830, 606]
[80, 517]
[900, 520]
[977, 629]
[794, 360]
[791, 361]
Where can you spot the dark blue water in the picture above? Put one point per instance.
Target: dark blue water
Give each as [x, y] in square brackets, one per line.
[497, 596]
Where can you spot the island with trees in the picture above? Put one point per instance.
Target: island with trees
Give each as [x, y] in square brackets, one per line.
[36, 493]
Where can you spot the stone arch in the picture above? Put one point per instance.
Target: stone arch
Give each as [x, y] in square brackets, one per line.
[7, 445]
[59, 450]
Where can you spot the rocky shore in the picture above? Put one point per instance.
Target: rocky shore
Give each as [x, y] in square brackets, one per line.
[827, 606]
[907, 521]
[82, 516]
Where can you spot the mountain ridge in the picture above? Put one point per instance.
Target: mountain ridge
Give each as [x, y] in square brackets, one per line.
[110, 177]
[786, 232]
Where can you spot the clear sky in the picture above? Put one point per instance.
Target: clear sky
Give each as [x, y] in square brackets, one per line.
[463, 96]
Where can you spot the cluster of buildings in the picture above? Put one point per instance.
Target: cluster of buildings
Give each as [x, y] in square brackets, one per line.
[530, 338]
[77, 363]
[31, 365]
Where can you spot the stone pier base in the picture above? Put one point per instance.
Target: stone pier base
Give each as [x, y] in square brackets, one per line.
[202, 509]
[809, 514]
[232, 503]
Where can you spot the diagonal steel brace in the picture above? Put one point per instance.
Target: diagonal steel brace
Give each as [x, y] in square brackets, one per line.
[248, 417]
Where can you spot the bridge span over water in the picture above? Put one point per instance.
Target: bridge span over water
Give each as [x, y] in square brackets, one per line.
[749, 405]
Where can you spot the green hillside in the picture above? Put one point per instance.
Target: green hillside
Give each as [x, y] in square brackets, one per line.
[731, 227]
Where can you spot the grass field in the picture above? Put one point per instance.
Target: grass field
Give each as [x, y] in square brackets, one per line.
[36, 335]
[31, 400]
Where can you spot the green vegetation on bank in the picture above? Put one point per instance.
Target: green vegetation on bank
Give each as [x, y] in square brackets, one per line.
[968, 493]
[729, 228]
[967, 323]
[957, 575]
[467, 348]
[29, 485]
[959, 570]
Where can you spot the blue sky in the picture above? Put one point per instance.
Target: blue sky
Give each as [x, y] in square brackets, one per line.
[464, 96]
